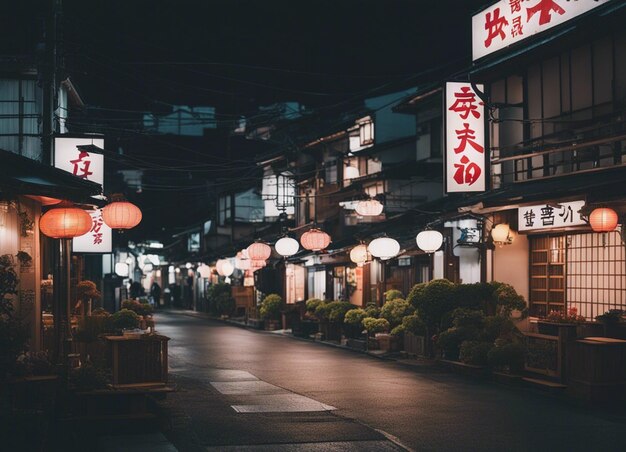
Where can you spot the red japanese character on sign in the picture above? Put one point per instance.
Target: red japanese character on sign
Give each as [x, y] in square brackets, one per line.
[467, 136]
[545, 9]
[516, 28]
[494, 26]
[465, 103]
[84, 171]
[95, 228]
[465, 173]
[515, 6]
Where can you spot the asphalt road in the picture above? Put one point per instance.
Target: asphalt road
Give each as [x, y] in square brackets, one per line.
[248, 390]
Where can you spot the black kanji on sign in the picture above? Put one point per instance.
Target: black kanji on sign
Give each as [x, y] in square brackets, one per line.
[567, 214]
[547, 216]
[529, 216]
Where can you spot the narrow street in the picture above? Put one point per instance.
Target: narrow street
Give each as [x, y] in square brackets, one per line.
[238, 387]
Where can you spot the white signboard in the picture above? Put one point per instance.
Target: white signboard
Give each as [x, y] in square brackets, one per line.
[511, 21]
[550, 216]
[465, 139]
[97, 240]
[83, 164]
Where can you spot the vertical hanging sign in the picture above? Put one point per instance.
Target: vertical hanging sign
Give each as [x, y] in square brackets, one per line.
[83, 158]
[465, 166]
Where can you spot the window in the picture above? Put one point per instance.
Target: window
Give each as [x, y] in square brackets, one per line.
[224, 209]
[366, 131]
[330, 172]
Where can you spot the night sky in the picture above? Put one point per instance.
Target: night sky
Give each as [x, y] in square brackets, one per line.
[236, 54]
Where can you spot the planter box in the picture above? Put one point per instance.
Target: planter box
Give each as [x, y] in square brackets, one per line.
[414, 345]
[305, 328]
[272, 325]
[388, 343]
[136, 361]
[552, 328]
[357, 344]
[331, 331]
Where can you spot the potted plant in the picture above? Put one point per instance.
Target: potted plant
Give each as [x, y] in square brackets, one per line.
[124, 319]
[331, 316]
[270, 311]
[353, 323]
[86, 293]
[374, 328]
[412, 331]
[611, 321]
[556, 320]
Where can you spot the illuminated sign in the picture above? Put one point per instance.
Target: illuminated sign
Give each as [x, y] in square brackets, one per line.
[511, 21]
[465, 139]
[77, 156]
[98, 240]
[551, 215]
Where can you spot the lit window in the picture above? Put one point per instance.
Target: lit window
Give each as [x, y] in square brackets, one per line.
[366, 131]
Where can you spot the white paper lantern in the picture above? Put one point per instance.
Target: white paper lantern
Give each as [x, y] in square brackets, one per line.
[369, 208]
[429, 240]
[205, 271]
[384, 248]
[359, 255]
[286, 246]
[241, 262]
[121, 269]
[227, 268]
[218, 266]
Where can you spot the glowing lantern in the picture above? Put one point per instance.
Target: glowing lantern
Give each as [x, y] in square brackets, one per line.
[315, 240]
[286, 246]
[259, 251]
[369, 208]
[501, 234]
[257, 264]
[603, 219]
[218, 266]
[227, 268]
[65, 222]
[241, 262]
[384, 248]
[359, 255]
[205, 271]
[429, 241]
[121, 214]
[121, 269]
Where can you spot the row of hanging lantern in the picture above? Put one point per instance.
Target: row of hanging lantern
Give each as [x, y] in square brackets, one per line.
[65, 221]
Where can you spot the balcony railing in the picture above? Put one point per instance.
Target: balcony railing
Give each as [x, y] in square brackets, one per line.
[586, 146]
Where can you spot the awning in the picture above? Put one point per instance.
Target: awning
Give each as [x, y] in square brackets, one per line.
[23, 176]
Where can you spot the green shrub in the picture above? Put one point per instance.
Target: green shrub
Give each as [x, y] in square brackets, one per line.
[414, 294]
[450, 341]
[413, 324]
[468, 318]
[497, 327]
[322, 311]
[395, 310]
[338, 309]
[100, 312]
[475, 352]
[393, 294]
[312, 304]
[89, 377]
[372, 310]
[271, 306]
[507, 356]
[138, 307]
[355, 317]
[91, 327]
[508, 300]
[219, 299]
[125, 319]
[374, 326]
[434, 300]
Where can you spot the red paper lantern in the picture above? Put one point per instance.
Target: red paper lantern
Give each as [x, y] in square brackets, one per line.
[315, 240]
[603, 219]
[121, 214]
[259, 251]
[65, 222]
[257, 264]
